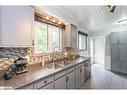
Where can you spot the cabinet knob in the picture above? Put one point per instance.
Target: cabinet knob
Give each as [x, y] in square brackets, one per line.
[45, 81]
[67, 78]
[81, 70]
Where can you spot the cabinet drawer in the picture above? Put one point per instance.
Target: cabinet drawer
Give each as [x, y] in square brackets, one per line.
[70, 69]
[82, 64]
[29, 86]
[60, 74]
[77, 66]
[42, 82]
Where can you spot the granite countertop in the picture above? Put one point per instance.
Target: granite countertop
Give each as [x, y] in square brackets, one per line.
[36, 72]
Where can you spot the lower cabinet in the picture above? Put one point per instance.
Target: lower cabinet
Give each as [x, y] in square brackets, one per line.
[60, 83]
[78, 83]
[70, 80]
[82, 74]
[49, 86]
[87, 70]
[29, 86]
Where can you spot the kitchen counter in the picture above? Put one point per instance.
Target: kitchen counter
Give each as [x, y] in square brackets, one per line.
[36, 72]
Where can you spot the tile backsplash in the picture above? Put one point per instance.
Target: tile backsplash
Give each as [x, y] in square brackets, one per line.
[8, 55]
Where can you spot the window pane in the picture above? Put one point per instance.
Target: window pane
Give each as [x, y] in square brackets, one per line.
[41, 37]
[56, 38]
[82, 42]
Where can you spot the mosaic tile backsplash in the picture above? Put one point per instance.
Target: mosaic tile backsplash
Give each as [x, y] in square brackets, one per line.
[8, 55]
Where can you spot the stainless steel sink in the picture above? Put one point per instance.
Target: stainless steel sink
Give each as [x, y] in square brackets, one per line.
[53, 66]
[56, 65]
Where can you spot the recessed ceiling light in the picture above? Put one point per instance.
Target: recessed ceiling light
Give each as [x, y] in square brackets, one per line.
[59, 22]
[47, 18]
[123, 21]
[54, 20]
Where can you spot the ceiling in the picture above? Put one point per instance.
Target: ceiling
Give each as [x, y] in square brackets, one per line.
[96, 18]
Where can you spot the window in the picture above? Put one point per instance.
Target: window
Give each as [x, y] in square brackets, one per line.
[82, 38]
[47, 37]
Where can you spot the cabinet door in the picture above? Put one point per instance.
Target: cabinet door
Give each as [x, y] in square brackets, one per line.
[49, 86]
[114, 38]
[115, 65]
[122, 37]
[74, 36]
[29, 86]
[71, 80]
[78, 83]
[60, 83]
[16, 25]
[123, 57]
[82, 73]
[89, 69]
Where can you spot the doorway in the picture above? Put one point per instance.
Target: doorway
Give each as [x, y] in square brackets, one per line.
[97, 50]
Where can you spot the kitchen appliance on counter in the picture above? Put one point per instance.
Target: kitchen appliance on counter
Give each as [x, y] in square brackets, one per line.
[71, 53]
[17, 68]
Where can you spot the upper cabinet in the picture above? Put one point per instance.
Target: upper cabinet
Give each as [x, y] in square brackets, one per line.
[71, 36]
[16, 26]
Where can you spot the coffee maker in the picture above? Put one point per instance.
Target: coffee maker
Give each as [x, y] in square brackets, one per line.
[17, 68]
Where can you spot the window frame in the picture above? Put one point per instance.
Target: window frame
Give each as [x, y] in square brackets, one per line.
[49, 50]
[83, 34]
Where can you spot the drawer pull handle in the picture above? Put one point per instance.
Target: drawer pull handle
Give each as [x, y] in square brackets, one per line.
[45, 81]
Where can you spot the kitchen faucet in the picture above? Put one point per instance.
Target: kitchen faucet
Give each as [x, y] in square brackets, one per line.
[53, 53]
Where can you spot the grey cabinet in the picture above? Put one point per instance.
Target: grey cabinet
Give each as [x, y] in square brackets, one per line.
[82, 74]
[29, 86]
[78, 83]
[49, 86]
[60, 83]
[122, 37]
[87, 69]
[71, 80]
[43, 82]
[71, 36]
[16, 25]
[114, 38]
[123, 57]
[115, 65]
[119, 52]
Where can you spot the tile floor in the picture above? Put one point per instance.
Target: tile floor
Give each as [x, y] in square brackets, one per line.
[104, 79]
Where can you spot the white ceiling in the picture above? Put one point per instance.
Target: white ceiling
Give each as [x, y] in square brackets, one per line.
[96, 18]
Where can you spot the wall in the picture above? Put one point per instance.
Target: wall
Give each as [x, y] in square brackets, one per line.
[99, 49]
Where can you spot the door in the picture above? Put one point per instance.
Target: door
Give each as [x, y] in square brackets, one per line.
[49, 86]
[71, 80]
[60, 83]
[78, 83]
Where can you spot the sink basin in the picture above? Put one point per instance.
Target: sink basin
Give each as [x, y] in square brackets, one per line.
[53, 66]
[62, 63]
[56, 65]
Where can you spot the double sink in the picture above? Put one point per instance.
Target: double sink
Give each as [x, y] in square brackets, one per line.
[56, 65]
